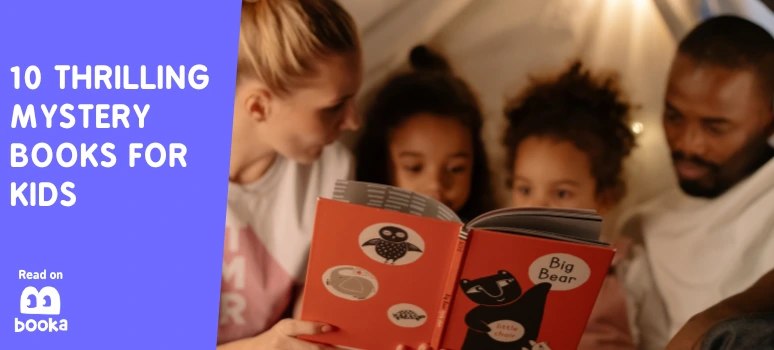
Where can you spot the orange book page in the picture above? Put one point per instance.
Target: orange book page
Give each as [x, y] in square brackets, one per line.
[376, 275]
[516, 289]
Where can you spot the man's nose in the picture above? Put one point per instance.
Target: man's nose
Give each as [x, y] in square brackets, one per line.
[691, 142]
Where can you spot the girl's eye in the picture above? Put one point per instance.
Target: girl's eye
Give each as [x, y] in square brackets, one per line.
[458, 169]
[563, 194]
[413, 168]
[523, 190]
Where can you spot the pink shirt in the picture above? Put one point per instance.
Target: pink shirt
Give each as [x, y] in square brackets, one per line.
[268, 232]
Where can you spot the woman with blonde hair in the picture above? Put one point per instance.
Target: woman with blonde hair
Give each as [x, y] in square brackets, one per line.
[299, 69]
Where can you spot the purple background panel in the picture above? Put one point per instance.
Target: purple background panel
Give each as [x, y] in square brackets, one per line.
[140, 251]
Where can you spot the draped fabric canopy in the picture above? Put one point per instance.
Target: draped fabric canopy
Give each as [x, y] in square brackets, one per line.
[496, 45]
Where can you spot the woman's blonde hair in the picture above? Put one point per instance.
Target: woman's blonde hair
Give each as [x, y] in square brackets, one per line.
[280, 39]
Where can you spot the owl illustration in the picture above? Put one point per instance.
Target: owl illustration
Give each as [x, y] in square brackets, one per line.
[392, 245]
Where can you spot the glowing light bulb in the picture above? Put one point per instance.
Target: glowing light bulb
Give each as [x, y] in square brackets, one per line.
[637, 128]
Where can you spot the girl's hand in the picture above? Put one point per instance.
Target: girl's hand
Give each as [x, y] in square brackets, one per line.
[282, 336]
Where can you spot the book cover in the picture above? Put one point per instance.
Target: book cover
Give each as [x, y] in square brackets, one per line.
[514, 291]
[389, 267]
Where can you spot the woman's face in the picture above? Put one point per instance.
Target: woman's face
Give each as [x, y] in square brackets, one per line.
[553, 173]
[433, 155]
[314, 115]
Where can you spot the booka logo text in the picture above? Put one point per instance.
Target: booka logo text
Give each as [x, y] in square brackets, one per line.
[44, 302]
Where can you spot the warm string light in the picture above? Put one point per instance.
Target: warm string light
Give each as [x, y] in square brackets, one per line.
[637, 128]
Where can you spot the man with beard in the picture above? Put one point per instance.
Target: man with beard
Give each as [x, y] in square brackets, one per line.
[714, 236]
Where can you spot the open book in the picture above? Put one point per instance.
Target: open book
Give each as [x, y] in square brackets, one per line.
[388, 266]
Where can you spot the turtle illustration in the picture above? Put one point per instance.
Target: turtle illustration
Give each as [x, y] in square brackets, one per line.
[407, 315]
[393, 244]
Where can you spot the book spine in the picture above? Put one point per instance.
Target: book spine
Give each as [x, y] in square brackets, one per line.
[451, 285]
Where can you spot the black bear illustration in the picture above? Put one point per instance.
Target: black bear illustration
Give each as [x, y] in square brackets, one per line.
[499, 298]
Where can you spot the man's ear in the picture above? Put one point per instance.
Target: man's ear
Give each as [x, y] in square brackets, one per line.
[258, 104]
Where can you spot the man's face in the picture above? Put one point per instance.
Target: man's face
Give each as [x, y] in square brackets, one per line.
[717, 122]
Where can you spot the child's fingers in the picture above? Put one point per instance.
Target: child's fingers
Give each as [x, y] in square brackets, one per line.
[292, 328]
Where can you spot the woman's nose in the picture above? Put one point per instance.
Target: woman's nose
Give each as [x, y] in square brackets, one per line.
[351, 118]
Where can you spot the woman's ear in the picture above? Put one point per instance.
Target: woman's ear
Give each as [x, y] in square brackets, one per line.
[257, 103]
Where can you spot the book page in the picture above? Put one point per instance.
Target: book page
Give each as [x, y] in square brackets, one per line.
[514, 291]
[543, 234]
[392, 198]
[378, 276]
[585, 225]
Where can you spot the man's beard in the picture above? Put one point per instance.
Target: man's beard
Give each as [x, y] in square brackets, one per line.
[721, 177]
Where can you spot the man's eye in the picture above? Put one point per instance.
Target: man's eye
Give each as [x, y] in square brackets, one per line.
[716, 129]
[673, 117]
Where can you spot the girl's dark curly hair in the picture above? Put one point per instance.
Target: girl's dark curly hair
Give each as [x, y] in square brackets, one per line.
[577, 107]
[430, 88]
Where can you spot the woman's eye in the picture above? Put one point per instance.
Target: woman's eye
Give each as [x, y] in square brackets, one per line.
[523, 190]
[334, 112]
[335, 108]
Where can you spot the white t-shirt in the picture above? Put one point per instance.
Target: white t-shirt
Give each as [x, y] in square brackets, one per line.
[268, 231]
[699, 252]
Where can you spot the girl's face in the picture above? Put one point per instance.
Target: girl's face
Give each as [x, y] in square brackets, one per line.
[552, 173]
[312, 116]
[433, 155]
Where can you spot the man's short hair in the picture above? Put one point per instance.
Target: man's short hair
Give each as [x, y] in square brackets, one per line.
[734, 43]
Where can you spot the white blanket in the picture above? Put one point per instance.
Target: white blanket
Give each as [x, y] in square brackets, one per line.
[699, 252]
